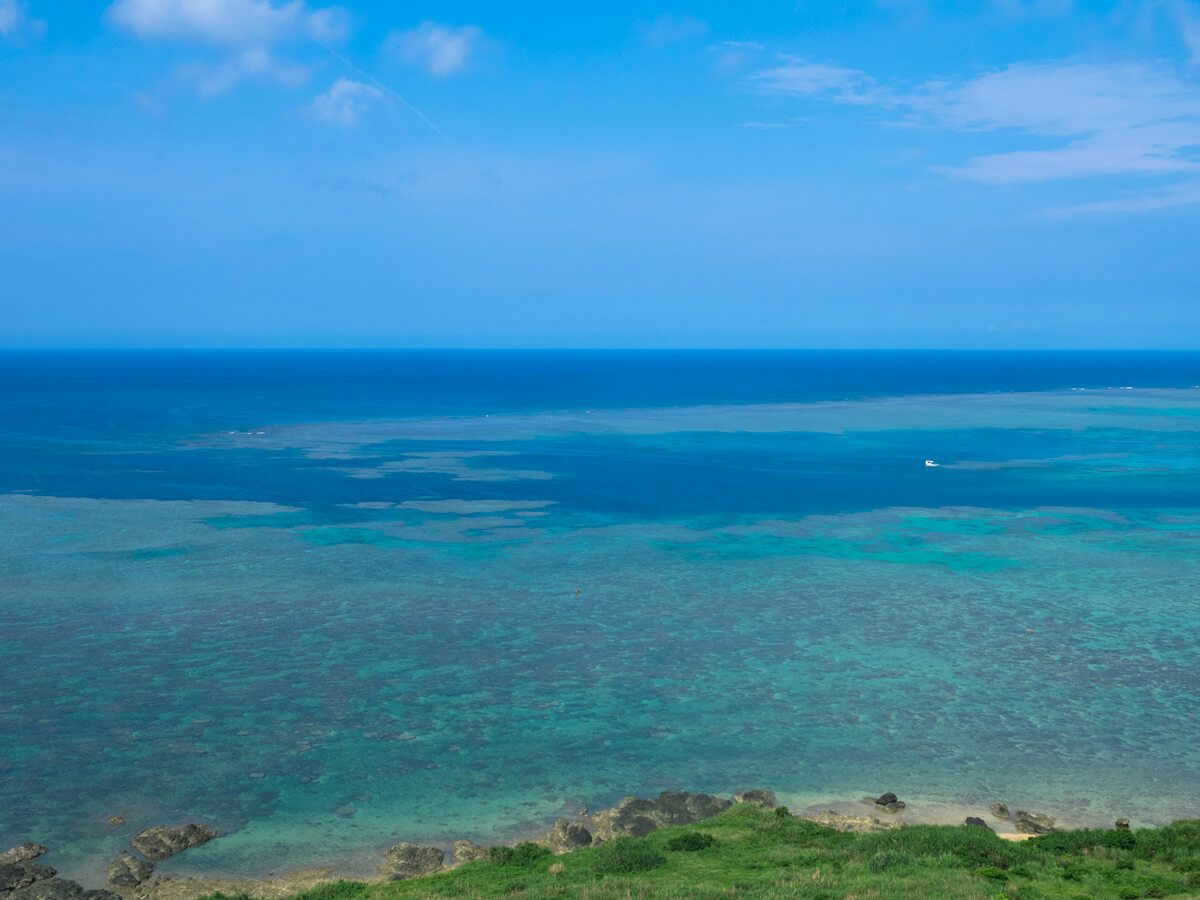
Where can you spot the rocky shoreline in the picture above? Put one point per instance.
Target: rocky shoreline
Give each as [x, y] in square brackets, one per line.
[131, 875]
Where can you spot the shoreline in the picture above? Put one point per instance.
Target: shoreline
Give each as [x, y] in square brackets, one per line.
[181, 881]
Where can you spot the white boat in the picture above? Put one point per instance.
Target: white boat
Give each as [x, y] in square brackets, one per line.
[931, 464]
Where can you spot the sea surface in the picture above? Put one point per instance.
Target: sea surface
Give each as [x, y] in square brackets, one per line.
[326, 601]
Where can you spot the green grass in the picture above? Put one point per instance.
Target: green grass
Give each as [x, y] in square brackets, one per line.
[754, 853]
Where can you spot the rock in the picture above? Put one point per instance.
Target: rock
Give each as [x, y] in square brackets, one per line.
[346, 812]
[1033, 823]
[406, 860]
[288, 885]
[763, 799]
[465, 851]
[116, 821]
[977, 822]
[160, 842]
[15, 876]
[888, 802]
[59, 889]
[127, 872]
[566, 836]
[25, 852]
[637, 817]
[856, 824]
[1000, 810]
[1121, 824]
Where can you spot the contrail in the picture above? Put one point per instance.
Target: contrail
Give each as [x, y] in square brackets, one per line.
[383, 87]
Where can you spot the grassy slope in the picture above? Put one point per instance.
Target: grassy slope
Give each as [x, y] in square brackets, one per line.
[759, 854]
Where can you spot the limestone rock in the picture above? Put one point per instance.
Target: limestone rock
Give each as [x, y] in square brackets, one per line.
[764, 799]
[465, 851]
[116, 821]
[406, 860]
[888, 802]
[1121, 824]
[280, 888]
[127, 872]
[566, 836]
[857, 824]
[25, 852]
[160, 842]
[1033, 823]
[18, 875]
[977, 822]
[637, 817]
[1000, 810]
[58, 889]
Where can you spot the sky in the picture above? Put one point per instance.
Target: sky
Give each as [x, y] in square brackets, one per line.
[883, 173]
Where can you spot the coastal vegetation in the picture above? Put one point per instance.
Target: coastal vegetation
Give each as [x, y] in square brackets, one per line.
[747, 851]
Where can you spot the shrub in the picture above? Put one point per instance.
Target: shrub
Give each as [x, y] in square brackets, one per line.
[1189, 865]
[993, 873]
[527, 854]
[888, 859]
[340, 890]
[781, 812]
[625, 854]
[691, 841]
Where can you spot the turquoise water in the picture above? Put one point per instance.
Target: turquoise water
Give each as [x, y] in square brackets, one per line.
[462, 611]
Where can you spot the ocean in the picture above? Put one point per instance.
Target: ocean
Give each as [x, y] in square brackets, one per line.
[329, 600]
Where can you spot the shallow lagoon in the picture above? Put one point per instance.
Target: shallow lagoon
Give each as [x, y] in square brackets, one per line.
[464, 621]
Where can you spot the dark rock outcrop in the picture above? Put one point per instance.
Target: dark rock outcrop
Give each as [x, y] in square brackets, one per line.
[465, 851]
[59, 889]
[856, 824]
[977, 822]
[18, 875]
[763, 799]
[405, 860]
[566, 836]
[1000, 810]
[888, 802]
[1121, 825]
[160, 842]
[127, 872]
[637, 817]
[24, 853]
[1033, 823]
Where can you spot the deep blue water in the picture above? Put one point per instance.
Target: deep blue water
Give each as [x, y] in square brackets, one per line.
[462, 592]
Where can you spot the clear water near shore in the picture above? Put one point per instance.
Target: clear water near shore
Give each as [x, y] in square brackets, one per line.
[442, 614]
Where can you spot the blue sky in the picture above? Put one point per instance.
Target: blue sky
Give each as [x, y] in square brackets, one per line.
[885, 173]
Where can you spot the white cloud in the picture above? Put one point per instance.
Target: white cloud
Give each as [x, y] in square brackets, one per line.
[668, 29]
[439, 49]
[1182, 194]
[798, 76]
[15, 22]
[345, 101]
[1061, 98]
[1124, 119]
[259, 22]
[1133, 119]
[254, 63]
[1188, 15]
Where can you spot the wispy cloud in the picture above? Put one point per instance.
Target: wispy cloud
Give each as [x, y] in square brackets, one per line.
[799, 76]
[259, 22]
[16, 23]
[254, 63]
[1100, 119]
[345, 101]
[668, 29]
[1182, 194]
[1188, 17]
[439, 49]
